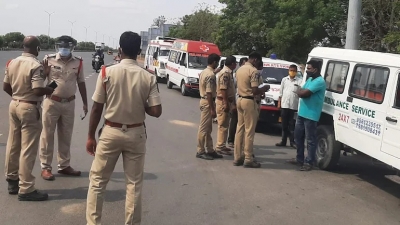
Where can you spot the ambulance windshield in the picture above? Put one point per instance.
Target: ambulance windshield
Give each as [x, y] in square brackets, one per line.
[197, 62]
[273, 75]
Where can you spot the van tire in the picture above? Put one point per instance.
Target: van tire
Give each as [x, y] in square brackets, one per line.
[169, 84]
[184, 91]
[328, 149]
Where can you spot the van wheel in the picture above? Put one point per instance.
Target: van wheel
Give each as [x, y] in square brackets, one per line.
[184, 91]
[328, 149]
[169, 84]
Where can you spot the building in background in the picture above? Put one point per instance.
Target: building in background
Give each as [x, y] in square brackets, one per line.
[144, 35]
[152, 33]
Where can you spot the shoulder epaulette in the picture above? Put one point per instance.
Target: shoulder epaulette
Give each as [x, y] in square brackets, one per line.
[51, 55]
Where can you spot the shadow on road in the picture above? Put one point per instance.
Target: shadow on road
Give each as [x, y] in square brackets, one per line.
[365, 170]
[81, 192]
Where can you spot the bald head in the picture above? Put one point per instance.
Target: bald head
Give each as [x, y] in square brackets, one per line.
[31, 42]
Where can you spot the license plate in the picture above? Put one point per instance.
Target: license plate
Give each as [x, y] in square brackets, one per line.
[280, 120]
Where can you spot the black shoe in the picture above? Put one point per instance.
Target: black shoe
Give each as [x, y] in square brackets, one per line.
[280, 144]
[251, 165]
[293, 145]
[13, 186]
[215, 155]
[204, 156]
[239, 162]
[306, 167]
[33, 196]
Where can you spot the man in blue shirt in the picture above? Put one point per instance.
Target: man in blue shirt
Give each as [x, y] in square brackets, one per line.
[310, 107]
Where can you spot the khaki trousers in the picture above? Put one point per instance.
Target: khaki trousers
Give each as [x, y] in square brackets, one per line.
[62, 116]
[205, 128]
[223, 126]
[22, 144]
[113, 142]
[248, 112]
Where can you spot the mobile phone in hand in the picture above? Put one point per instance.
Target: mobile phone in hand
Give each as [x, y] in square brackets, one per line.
[53, 85]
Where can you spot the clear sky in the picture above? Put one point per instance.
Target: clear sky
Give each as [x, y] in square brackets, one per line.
[108, 17]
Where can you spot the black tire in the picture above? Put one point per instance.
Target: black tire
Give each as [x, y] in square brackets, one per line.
[169, 84]
[184, 91]
[328, 149]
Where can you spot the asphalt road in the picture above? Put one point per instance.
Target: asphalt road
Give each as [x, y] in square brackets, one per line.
[182, 190]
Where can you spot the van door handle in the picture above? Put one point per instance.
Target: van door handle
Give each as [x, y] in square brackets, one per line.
[390, 119]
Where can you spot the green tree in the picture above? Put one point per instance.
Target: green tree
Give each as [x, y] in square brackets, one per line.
[1, 41]
[199, 25]
[380, 25]
[159, 21]
[46, 42]
[14, 39]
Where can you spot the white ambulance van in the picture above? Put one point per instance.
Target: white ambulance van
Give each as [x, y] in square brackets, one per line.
[186, 61]
[157, 56]
[361, 113]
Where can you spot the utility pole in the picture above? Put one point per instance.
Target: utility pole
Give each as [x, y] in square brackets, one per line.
[72, 26]
[86, 34]
[353, 25]
[48, 31]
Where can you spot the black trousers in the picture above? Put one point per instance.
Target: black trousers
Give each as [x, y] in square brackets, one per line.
[232, 127]
[288, 122]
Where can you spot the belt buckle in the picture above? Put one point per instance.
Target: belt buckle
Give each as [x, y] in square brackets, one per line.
[124, 127]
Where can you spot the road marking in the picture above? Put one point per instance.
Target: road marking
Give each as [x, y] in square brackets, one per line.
[183, 123]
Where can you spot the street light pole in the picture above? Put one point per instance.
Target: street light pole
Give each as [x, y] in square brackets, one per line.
[86, 34]
[48, 31]
[109, 40]
[72, 26]
[353, 25]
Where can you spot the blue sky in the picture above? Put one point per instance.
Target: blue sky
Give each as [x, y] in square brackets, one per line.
[107, 17]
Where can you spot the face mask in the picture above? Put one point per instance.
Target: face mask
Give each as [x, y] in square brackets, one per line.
[64, 52]
[292, 74]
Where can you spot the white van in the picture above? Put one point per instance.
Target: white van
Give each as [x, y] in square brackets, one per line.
[361, 113]
[186, 61]
[157, 56]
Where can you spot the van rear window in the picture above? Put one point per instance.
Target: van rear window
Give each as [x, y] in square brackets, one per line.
[369, 83]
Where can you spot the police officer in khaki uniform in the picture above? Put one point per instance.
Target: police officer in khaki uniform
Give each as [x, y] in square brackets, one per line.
[248, 107]
[207, 88]
[129, 92]
[24, 82]
[67, 71]
[225, 103]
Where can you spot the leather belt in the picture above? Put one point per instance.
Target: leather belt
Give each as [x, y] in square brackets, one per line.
[205, 97]
[247, 97]
[24, 101]
[59, 99]
[119, 125]
[230, 100]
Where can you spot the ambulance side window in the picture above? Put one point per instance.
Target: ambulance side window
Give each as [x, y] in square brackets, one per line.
[397, 94]
[369, 83]
[178, 56]
[335, 76]
[172, 56]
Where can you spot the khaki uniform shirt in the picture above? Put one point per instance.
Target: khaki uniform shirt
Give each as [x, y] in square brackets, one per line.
[226, 82]
[129, 88]
[247, 77]
[207, 83]
[65, 74]
[24, 74]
